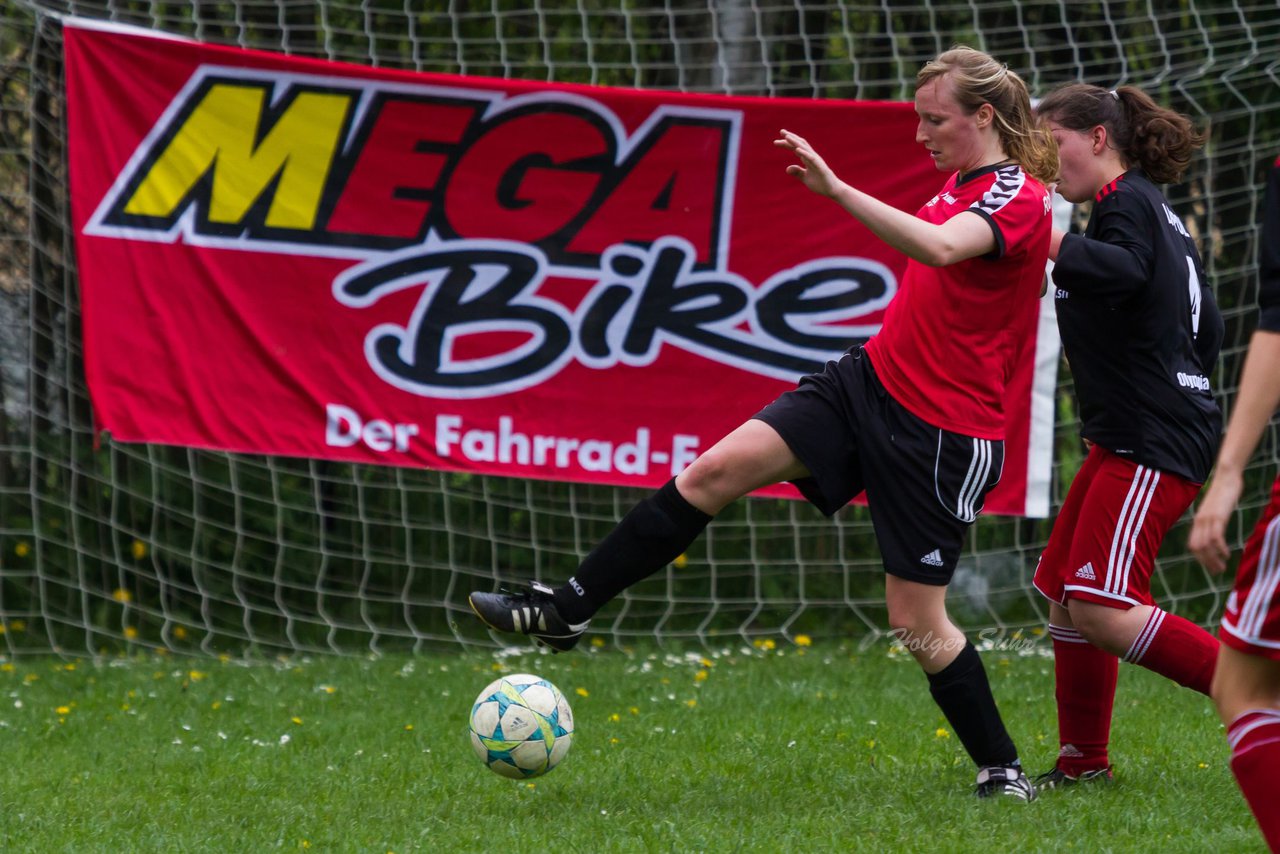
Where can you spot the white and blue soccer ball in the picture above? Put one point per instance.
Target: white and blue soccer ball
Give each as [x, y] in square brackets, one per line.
[521, 726]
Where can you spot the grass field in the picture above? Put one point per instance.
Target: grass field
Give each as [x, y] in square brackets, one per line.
[745, 749]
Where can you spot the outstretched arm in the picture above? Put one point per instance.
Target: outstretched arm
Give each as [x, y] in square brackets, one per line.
[1256, 402]
[957, 239]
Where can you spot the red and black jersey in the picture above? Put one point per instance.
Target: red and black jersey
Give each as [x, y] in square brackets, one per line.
[1141, 331]
[1269, 255]
[952, 335]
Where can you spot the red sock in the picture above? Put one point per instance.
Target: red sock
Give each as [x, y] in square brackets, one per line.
[1177, 648]
[1085, 687]
[1255, 760]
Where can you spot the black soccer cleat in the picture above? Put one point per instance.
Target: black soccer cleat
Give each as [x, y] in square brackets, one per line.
[1009, 780]
[1059, 779]
[528, 612]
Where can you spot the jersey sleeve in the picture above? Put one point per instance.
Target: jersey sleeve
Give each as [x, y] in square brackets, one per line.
[1269, 255]
[1013, 206]
[1118, 258]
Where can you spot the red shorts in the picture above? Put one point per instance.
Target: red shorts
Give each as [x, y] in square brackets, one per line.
[1104, 542]
[1251, 622]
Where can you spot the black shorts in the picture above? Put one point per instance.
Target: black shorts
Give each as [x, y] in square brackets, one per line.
[924, 485]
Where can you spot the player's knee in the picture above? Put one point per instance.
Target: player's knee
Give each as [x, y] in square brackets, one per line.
[1240, 684]
[1233, 699]
[1101, 627]
[1223, 696]
[907, 621]
[710, 481]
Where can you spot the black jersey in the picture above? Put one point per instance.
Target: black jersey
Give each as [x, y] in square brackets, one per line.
[1269, 256]
[1141, 331]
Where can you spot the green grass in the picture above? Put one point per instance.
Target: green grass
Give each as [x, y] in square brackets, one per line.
[786, 750]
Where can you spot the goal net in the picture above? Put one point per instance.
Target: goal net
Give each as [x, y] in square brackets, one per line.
[124, 547]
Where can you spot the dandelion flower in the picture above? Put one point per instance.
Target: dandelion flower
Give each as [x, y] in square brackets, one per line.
[296, 719]
[803, 640]
[63, 710]
[121, 595]
[139, 549]
[130, 633]
[681, 561]
[941, 733]
[597, 641]
[582, 692]
[22, 549]
[180, 632]
[614, 718]
[700, 676]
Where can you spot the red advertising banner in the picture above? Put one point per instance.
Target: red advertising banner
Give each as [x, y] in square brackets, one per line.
[290, 256]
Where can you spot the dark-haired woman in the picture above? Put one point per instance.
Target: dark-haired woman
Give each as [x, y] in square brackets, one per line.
[1141, 331]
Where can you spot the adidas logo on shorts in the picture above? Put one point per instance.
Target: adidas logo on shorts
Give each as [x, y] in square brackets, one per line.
[1087, 572]
[933, 558]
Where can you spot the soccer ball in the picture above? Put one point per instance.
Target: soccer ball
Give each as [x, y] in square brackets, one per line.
[521, 726]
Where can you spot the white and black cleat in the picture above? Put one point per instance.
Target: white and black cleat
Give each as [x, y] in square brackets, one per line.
[529, 612]
[1009, 780]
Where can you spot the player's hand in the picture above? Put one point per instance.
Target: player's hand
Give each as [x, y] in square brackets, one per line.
[813, 171]
[1208, 532]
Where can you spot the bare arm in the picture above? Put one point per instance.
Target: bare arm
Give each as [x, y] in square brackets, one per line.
[1257, 401]
[957, 239]
[1055, 242]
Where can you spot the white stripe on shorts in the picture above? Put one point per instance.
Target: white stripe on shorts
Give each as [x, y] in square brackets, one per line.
[979, 471]
[1124, 543]
[1253, 614]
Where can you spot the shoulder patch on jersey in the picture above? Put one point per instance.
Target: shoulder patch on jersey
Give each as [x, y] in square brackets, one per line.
[1008, 181]
[1108, 189]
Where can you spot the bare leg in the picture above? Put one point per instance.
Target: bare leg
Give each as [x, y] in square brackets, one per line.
[957, 679]
[918, 617]
[1246, 689]
[1243, 682]
[750, 457]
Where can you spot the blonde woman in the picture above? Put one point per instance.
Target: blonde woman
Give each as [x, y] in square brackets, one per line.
[915, 418]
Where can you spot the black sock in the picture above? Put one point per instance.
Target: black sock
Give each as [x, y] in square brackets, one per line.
[655, 532]
[962, 692]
